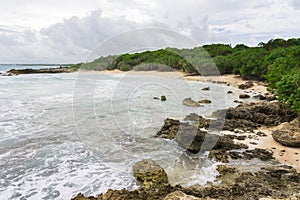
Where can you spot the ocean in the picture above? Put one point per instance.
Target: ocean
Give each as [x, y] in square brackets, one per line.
[61, 134]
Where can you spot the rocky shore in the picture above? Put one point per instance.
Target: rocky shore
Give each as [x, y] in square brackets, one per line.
[40, 71]
[231, 137]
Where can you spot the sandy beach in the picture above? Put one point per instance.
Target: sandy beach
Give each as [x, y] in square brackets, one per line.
[285, 155]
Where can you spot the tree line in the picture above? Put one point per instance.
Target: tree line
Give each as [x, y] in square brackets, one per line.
[277, 62]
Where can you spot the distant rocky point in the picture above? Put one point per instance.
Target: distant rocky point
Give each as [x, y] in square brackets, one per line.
[41, 71]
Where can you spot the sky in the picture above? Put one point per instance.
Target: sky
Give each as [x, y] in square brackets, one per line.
[67, 31]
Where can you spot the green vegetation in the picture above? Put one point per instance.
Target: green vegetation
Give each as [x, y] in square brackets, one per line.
[277, 62]
[288, 89]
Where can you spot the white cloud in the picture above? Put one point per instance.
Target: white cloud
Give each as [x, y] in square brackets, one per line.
[81, 25]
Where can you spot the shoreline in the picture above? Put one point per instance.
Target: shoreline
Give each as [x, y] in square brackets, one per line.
[283, 154]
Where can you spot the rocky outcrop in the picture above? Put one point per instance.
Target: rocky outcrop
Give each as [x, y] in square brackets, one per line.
[265, 97]
[197, 120]
[224, 156]
[150, 174]
[42, 71]
[169, 129]
[194, 139]
[205, 101]
[163, 98]
[274, 182]
[138, 194]
[288, 134]
[244, 96]
[246, 85]
[191, 103]
[206, 89]
[249, 116]
[178, 195]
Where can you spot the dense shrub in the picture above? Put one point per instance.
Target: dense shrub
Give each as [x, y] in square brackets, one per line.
[288, 89]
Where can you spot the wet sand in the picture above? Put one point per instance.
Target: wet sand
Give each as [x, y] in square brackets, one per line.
[285, 155]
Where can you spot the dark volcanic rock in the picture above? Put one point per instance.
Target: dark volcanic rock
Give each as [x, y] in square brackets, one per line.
[260, 97]
[163, 98]
[244, 96]
[246, 85]
[237, 101]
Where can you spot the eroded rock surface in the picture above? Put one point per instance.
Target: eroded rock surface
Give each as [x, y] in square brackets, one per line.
[246, 85]
[249, 116]
[288, 134]
[191, 103]
[150, 174]
[194, 139]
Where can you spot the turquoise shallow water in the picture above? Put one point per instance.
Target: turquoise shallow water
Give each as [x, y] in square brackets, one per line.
[61, 134]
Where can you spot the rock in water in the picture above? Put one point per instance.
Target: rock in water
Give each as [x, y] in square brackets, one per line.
[206, 101]
[163, 98]
[42, 71]
[260, 97]
[246, 85]
[244, 96]
[150, 174]
[206, 89]
[190, 137]
[191, 103]
[197, 120]
[169, 129]
[288, 134]
[193, 139]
